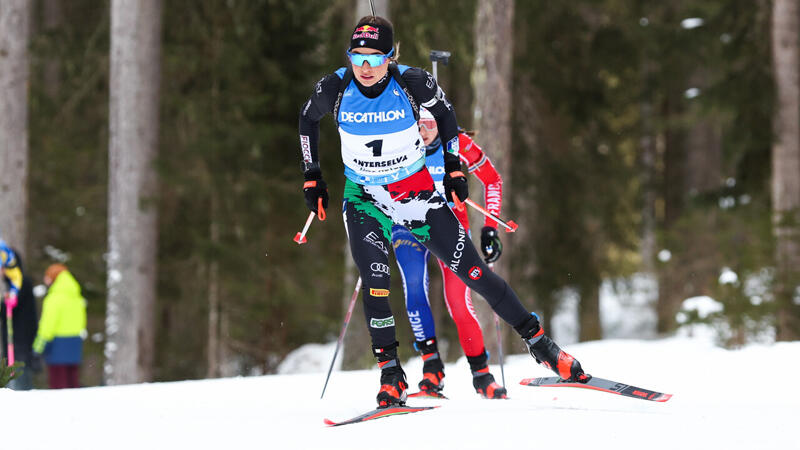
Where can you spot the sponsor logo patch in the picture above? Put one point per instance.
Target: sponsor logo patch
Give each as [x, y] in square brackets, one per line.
[372, 116]
[379, 268]
[366, 32]
[379, 292]
[382, 323]
[416, 325]
[475, 272]
[372, 238]
[407, 242]
[452, 146]
[455, 261]
[305, 145]
[388, 163]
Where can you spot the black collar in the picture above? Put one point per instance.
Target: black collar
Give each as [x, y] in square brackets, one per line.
[376, 89]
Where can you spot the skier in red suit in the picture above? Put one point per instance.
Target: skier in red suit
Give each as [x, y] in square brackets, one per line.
[412, 257]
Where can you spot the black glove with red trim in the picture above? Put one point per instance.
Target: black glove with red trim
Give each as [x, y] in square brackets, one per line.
[315, 188]
[456, 181]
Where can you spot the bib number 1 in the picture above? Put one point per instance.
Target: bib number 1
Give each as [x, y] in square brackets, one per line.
[375, 146]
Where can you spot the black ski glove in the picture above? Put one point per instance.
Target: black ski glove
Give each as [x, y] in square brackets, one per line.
[456, 181]
[315, 188]
[491, 245]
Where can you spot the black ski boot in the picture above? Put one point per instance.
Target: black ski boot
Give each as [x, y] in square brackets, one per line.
[393, 379]
[548, 354]
[432, 368]
[482, 379]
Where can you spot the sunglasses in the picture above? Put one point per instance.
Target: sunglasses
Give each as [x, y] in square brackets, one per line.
[428, 124]
[373, 60]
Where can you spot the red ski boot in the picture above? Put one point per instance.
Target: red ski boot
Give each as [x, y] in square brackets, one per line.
[393, 380]
[432, 368]
[482, 379]
[550, 355]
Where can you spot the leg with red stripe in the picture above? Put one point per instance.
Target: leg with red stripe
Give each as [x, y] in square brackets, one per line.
[394, 386]
[483, 380]
[548, 353]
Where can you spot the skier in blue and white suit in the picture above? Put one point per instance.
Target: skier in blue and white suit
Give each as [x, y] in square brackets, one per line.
[374, 102]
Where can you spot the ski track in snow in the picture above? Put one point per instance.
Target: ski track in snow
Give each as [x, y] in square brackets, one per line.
[721, 400]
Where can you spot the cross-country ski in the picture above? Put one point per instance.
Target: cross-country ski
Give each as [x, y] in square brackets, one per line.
[379, 413]
[600, 384]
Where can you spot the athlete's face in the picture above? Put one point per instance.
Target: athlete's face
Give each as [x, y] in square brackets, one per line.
[428, 130]
[366, 74]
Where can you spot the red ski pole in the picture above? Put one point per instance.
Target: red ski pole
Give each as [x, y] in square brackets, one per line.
[10, 332]
[509, 225]
[300, 237]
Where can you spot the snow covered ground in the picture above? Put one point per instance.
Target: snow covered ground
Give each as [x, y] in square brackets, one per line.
[722, 400]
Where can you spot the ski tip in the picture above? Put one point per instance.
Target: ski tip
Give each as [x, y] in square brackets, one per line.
[329, 422]
[662, 398]
[527, 381]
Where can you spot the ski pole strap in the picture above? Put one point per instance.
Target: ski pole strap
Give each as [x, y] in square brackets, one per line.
[320, 210]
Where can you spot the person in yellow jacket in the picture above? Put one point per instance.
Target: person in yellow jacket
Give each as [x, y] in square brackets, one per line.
[62, 328]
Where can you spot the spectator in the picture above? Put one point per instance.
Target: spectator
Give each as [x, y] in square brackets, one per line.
[24, 318]
[61, 328]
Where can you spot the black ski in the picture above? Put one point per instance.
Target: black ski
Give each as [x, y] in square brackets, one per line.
[600, 384]
[380, 412]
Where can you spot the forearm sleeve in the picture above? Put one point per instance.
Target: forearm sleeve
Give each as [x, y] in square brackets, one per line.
[320, 103]
[481, 166]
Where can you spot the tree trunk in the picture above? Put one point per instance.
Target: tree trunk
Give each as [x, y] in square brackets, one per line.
[704, 150]
[15, 22]
[491, 81]
[671, 284]
[703, 180]
[132, 202]
[786, 166]
[648, 156]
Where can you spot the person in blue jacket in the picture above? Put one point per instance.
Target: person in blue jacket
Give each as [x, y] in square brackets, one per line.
[24, 319]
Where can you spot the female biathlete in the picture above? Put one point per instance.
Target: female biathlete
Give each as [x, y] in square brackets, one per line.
[412, 258]
[375, 103]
